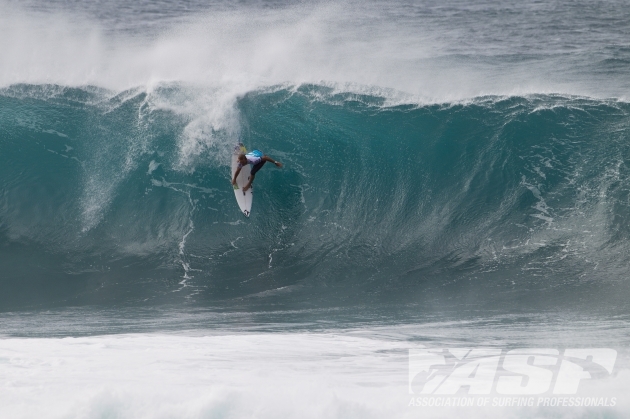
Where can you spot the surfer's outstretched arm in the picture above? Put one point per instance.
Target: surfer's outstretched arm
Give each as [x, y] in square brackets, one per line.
[269, 159]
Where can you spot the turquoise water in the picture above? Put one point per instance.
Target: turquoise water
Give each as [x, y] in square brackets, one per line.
[376, 203]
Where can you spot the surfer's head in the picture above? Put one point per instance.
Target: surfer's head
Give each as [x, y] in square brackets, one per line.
[242, 159]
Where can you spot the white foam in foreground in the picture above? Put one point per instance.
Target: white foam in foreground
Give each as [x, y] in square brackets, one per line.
[274, 375]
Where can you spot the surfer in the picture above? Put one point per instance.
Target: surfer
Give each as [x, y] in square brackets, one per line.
[257, 159]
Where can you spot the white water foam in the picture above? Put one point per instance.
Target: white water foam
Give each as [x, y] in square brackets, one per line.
[275, 375]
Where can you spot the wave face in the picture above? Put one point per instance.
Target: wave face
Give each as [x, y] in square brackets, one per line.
[124, 197]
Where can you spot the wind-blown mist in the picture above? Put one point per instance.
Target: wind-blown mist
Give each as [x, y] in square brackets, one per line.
[424, 50]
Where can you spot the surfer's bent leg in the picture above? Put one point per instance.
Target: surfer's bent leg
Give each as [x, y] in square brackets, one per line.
[257, 167]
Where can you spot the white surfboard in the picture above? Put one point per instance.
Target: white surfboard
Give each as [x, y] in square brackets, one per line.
[244, 199]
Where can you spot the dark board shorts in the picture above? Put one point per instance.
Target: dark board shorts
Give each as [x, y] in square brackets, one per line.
[257, 166]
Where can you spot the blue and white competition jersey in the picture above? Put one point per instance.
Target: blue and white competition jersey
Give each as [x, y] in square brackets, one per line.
[253, 157]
